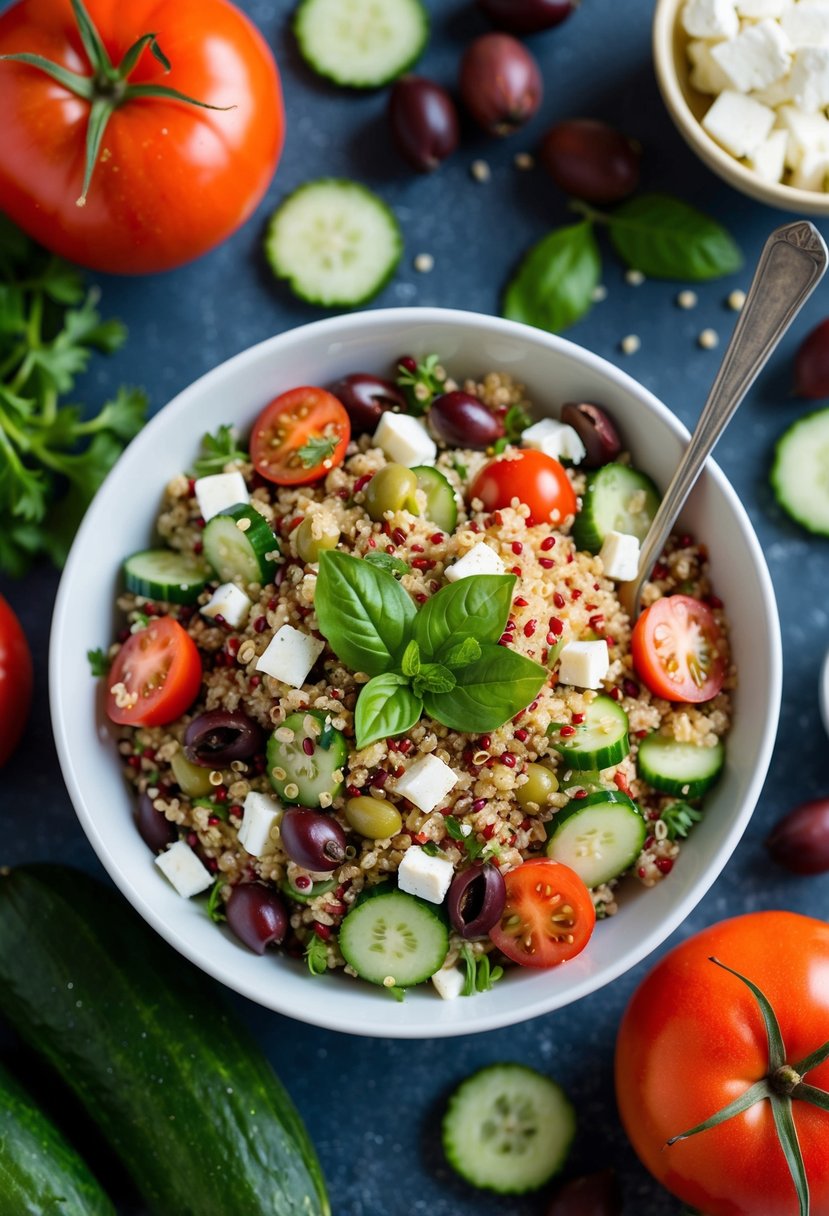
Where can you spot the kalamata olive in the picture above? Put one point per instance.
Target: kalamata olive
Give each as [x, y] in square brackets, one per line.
[500, 83]
[527, 16]
[313, 840]
[592, 1195]
[811, 363]
[596, 430]
[461, 420]
[256, 915]
[154, 828]
[424, 122]
[591, 160]
[218, 737]
[365, 398]
[476, 899]
[800, 840]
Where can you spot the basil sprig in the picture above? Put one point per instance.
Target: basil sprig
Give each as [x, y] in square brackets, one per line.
[444, 659]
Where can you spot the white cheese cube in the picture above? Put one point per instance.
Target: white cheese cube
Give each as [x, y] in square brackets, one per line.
[424, 876]
[710, 19]
[812, 171]
[774, 95]
[426, 783]
[756, 10]
[555, 439]
[807, 23]
[757, 57]
[706, 74]
[449, 982]
[808, 133]
[738, 123]
[290, 655]
[230, 603]
[620, 555]
[404, 439]
[584, 664]
[810, 78]
[769, 160]
[216, 493]
[180, 866]
[261, 813]
[481, 559]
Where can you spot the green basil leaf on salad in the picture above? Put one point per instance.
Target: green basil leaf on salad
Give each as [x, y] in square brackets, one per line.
[386, 706]
[666, 238]
[553, 287]
[488, 692]
[462, 654]
[387, 561]
[433, 677]
[363, 612]
[410, 662]
[476, 607]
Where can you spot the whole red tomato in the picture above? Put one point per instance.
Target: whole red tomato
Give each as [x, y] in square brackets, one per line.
[15, 681]
[170, 179]
[693, 1039]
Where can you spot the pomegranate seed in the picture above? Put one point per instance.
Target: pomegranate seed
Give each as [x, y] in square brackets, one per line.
[505, 639]
[255, 681]
[616, 694]
[713, 601]
[548, 543]
[575, 594]
[198, 547]
[545, 654]
[489, 831]
[664, 865]
[596, 622]
[517, 571]
[308, 746]
[686, 541]
[556, 626]
[533, 706]
[551, 639]
[630, 687]
[567, 731]
[354, 791]
[399, 771]
[611, 641]
[474, 526]
[558, 599]
[650, 841]
[323, 931]
[233, 645]
[520, 602]
[509, 627]
[379, 779]
[479, 804]
[580, 793]
[517, 548]
[390, 549]
[404, 746]
[578, 719]
[497, 518]
[362, 482]
[641, 871]
[590, 607]
[546, 563]
[641, 734]
[660, 570]
[485, 742]
[192, 839]
[522, 735]
[372, 543]
[134, 761]
[423, 563]
[433, 586]
[436, 538]
[220, 794]
[236, 810]
[421, 598]
[508, 759]
[191, 487]
[408, 363]
[417, 549]
[212, 820]
[392, 745]
[148, 753]
[398, 536]
[260, 624]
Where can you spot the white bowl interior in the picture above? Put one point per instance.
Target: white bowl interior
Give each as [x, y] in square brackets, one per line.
[121, 519]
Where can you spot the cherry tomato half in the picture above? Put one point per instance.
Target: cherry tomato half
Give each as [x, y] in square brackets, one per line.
[678, 650]
[548, 916]
[156, 675]
[531, 477]
[300, 436]
[15, 681]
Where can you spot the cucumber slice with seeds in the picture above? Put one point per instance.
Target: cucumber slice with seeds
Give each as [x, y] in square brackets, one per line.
[362, 44]
[800, 473]
[600, 741]
[687, 769]
[240, 546]
[599, 836]
[617, 499]
[441, 501]
[391, 935]
[165, 574]
[297, 777]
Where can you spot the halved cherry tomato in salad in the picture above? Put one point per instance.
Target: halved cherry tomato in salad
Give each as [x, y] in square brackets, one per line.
[15, 680]
[156, 675]
[548, 916]
[300, 436]
[533, 478]
[678, 650]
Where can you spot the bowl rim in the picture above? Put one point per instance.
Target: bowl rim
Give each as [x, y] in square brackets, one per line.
[522, 1010]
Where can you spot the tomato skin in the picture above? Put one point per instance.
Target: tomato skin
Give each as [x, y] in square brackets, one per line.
[174, 179]
[527, 895]
[680, 616]
[163, 649]
[16, 681]
[692, 1039]
[532, 477]
[286, 423]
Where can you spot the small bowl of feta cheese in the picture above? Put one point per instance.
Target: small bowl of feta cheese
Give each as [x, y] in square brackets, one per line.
[747, 84]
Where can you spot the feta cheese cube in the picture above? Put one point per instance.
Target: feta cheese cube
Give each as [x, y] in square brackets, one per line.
[769, 160]
[584, 664]
[449, 982]
[620, 555]
[424, 876]
[261, 813]
[228, 602]
[290, 655]
[812, 171]
[774, 95]
[757, 57]
[481, 559]
[756, 10]
[810, 78]
[807, 133]
[738, 123]
[555, 439]
[706, 74]
[426, 783]
[404, 439]
[181, 867]
[710, 19]
[807, 23]
[216, 493]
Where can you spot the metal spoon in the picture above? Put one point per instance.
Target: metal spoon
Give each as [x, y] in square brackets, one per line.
[791, 265]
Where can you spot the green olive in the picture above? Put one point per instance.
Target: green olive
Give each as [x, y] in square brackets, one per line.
[192, 779]
[391, 489]
[315, 534]
[372, 818]
[541, 782]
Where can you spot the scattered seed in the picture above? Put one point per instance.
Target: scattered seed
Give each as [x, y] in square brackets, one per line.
[708, 339]
[687, 299]
[424, 262]
[634, 278]
[598, 293]
[480, 170]
[736, 300]
[630, 344]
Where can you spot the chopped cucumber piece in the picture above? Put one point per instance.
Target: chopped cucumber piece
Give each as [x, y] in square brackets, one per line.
[800, 472]
[508, 1129]
[617, 499]
[361, 43]
[240, 546]
[441, 502]
[391, 935]
[600, 741]
[335, 242]
[300, 778]
[688, 769]
[164, 574]
[304, 897]
[599, 836]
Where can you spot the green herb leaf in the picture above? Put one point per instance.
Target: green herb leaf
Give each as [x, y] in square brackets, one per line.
[433, 677]
[489, 691]
[215, 903]
[516, 421]
[554, 285]
[363, 612]
[217, 450]
[460, 468]
[386, 561]
[316, 955]
[463, 654]
[476, 607]
[666, 238]
[480, 975]
[679, 818]
[431, 849]
[475, 847]
[453, 828]
[317, 449]
[423, 384]
[410, 663]
[216, 808]
[385, 707]
[99, 663]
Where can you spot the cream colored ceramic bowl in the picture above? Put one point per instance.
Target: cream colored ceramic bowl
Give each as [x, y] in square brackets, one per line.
[120, 521]
[687, 108]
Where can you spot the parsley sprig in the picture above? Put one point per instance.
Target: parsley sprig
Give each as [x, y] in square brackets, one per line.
[218, 450]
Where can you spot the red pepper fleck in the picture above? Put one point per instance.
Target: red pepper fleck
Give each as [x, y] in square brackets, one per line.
[621, 782]
[664, 865]
[323, 931]
[419, 837]
[548, 543]
[546, 563]
[567, 731]
[517, 548]
[522, 735]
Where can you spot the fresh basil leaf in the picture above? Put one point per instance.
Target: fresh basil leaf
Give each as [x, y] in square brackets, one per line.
[453, 828]
[554, 284]
[364, 613]
[386, 706]
[410, 663]
[489, 692]
[386, 561]
[473, 607]
[462, 654]
[668, 239]
[433, 677]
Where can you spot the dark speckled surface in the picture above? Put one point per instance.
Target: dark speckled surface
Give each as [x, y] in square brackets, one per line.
[372, 1106]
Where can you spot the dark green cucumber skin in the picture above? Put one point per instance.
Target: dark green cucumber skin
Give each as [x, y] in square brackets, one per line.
[40, 1173]
[177, 1086]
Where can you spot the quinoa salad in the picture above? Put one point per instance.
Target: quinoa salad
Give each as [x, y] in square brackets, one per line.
[376, 693]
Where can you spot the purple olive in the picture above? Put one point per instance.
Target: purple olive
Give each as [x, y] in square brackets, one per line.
[365, 398]
[800, 840]
[596, 430]
[424, 122]
[591, 160]
[218, 737]
[461, 420]
[314, 841]
[527, 16]
[154, 828]
[257, 916]
[500, 83]
[476, 900]
[592, 1195]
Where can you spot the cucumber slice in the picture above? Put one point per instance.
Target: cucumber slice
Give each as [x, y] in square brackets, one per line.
[164, 574]
[800, 472]
[335, 242]
[305, 897]
[617, 499]
[394, 935]
[600, 741]
[310, 776]
[240, 546]
[508, 1129]
[361, 43]
[687, 769]
[441, 502]
[599, 836]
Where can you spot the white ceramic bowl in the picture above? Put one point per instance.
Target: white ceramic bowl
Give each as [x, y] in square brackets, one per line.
[120, 521]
